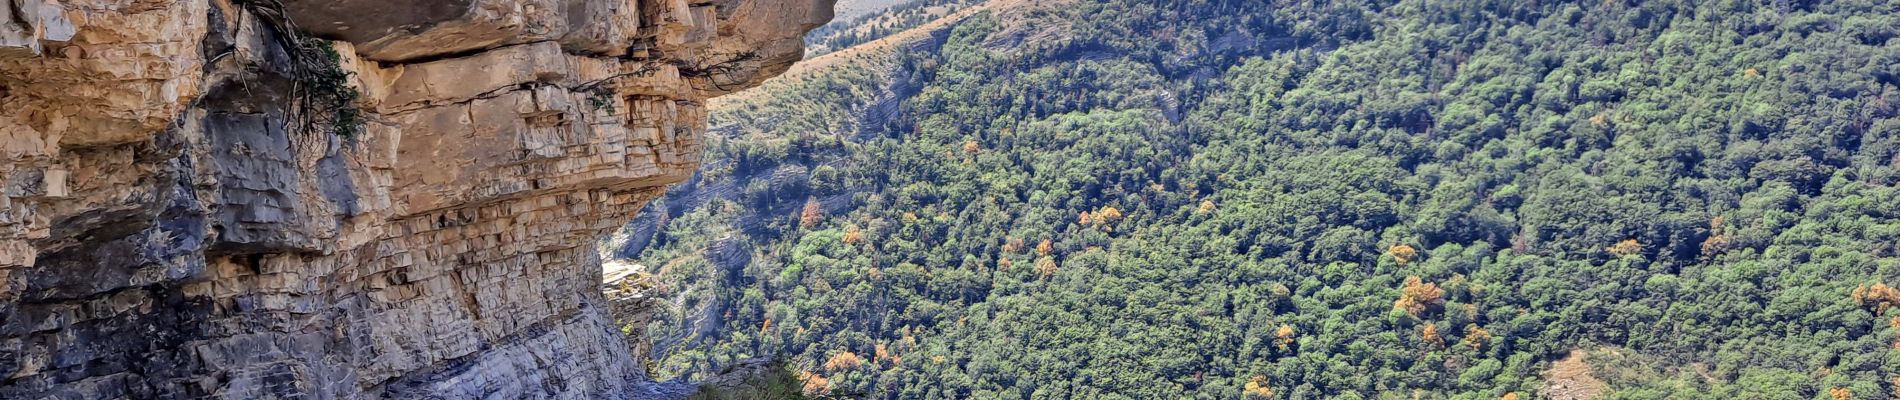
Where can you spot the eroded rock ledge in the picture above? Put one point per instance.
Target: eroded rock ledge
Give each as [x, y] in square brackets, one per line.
[166, 232]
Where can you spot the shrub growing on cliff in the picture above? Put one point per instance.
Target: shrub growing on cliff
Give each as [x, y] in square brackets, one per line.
[326, 100]
[322, 97]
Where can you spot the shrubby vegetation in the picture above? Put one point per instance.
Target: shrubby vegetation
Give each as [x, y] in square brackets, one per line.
[1286, 199]
[844, 33]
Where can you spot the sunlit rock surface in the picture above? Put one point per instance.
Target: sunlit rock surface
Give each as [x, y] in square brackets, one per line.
[167, 230]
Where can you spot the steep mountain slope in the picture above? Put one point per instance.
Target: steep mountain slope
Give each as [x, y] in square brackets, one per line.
[881, 18]
[1231, 199]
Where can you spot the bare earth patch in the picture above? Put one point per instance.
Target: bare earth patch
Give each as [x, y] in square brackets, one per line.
[1570, 379]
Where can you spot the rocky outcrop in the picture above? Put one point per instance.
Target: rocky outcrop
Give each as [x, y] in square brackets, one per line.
[173, 226]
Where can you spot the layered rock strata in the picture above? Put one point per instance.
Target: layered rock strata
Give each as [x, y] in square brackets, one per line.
[169, 228]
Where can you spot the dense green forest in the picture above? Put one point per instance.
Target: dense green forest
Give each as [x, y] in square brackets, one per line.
[1223, 199]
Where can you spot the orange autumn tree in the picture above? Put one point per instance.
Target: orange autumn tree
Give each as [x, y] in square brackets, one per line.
[816, 384]
[1418, 298]
[843, 360]
[1046, 247]
[812, 213]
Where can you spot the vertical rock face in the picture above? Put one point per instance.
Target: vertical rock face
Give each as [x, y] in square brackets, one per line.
[168, 230]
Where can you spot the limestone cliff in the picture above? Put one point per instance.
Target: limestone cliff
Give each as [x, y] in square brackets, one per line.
[171, 226]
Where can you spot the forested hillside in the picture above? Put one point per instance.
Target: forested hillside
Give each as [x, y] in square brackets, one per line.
[854, 28]
[1116, 199]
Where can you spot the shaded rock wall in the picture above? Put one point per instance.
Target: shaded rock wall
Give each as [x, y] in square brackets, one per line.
[167, 231]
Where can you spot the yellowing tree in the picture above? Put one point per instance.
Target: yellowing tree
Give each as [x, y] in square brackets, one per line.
[843, 360]
[1402, 253]
[1840, 393]
[853, 235]
[1108, 215]
[1895, 325]
[1046, 247]
[886, 355]
[1207, 206]
[1476, 336]
[1430, 335]
[1714, 245]
[1878, 296]
[1283, 337]
[1045, 267]
[1418, 298]
[1257, 387]
[1626, 247]
[1280, 291]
